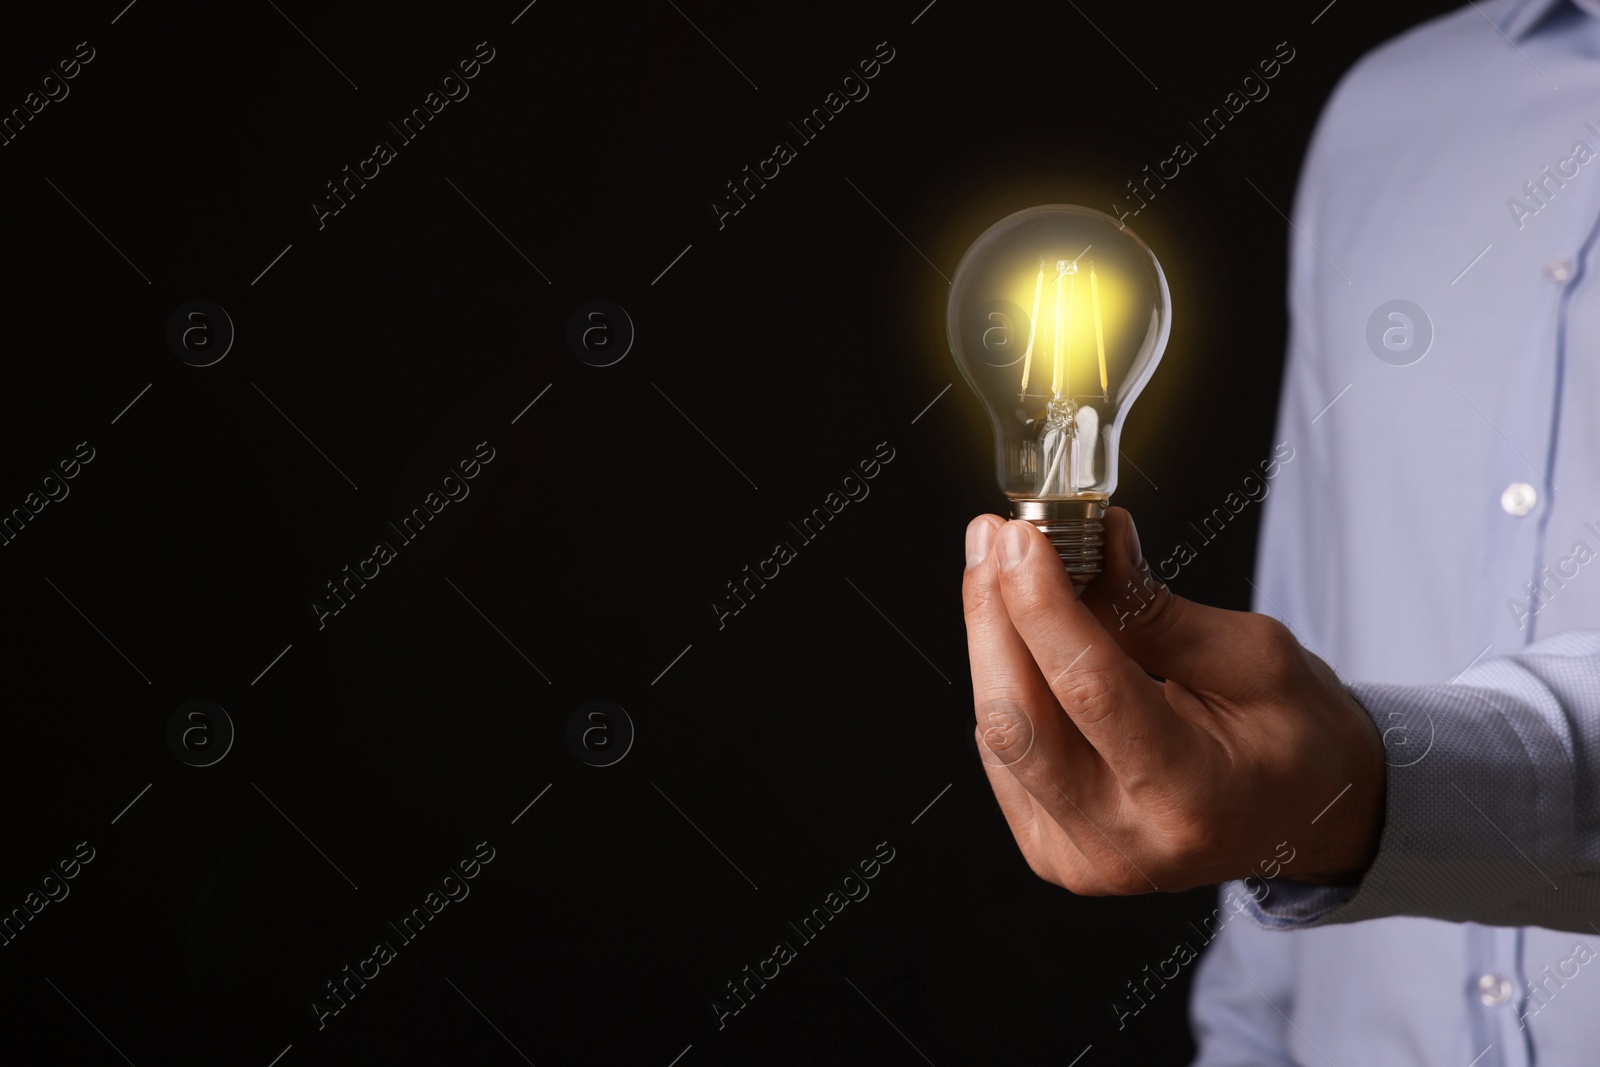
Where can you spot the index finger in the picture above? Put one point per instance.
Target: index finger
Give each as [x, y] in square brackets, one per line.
[1019, 720]
[1111, 700]
[1029, 747]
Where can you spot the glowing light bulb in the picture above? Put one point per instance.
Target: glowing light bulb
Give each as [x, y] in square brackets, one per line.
[1058, 316]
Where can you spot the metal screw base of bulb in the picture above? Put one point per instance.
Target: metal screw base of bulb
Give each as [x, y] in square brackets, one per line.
[1074, 528]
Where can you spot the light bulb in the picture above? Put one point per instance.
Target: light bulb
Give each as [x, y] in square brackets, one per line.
[1058, 316]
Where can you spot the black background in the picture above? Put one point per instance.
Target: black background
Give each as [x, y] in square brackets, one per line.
[821, 720]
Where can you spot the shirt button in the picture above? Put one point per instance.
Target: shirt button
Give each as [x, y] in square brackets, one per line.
[1519, 498]
[1559, 271]
[1493, 990]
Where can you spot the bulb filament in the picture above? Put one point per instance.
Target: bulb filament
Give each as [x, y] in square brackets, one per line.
[1061, 354]
[1065, 271]
[1070, 458]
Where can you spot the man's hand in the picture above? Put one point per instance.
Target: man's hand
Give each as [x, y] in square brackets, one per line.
[1114, 783]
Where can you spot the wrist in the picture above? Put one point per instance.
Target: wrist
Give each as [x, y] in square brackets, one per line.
[1353, 823]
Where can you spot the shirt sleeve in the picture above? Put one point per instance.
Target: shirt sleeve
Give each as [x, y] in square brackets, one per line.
[1492, 813]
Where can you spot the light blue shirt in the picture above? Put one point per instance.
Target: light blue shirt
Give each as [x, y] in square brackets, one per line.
[1437, 540]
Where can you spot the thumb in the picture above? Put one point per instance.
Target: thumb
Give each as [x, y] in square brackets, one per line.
[1165, 634]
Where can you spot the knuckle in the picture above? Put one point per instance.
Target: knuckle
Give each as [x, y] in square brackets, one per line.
[1278, 647]
[1196, 842]
[1087, 693]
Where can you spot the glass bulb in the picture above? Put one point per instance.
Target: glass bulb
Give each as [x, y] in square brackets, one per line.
[1058, 316]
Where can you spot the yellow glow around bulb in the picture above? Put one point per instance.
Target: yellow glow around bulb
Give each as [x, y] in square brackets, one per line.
[1057, 372]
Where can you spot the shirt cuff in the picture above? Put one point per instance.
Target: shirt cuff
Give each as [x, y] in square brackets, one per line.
[1477, 822]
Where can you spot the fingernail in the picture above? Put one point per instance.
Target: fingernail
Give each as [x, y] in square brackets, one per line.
[980, 534]
[1012, 545]
[1135, 553]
